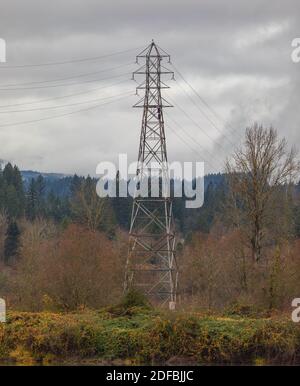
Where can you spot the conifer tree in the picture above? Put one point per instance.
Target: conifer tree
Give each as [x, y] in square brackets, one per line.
[11, 244]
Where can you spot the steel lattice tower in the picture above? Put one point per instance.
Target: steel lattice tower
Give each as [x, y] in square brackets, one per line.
[151, 264]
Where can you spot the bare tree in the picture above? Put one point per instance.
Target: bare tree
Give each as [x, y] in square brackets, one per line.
[74, 269]
[256, 172]
[87, 207]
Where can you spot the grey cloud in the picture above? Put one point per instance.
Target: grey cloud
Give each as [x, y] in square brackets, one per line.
[235, 53]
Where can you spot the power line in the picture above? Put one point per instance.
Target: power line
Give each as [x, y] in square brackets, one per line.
[66, 78]
[189, 146]
[64, 84]
[194, 141]
[198, 95]
[204, 114]
[61, 106]
[218, 116]
[64, 96]
[70, 61]
[60, 115]
[196, 124]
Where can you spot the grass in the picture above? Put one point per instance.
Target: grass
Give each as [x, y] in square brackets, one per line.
[144, 336]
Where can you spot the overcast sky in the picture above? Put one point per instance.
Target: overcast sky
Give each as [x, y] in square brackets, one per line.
[235, 53]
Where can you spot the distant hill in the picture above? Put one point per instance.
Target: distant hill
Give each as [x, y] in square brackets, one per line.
[29, 174]
[56, 183]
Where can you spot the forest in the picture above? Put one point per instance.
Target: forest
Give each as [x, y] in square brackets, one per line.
[63, 249]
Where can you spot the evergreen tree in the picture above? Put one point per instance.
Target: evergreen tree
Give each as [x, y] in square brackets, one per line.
[31, 201]
[75, 185]
[12, 192]
[40, 195]
[57, 208]
[11, 244]
[35, 200]
[121, 207]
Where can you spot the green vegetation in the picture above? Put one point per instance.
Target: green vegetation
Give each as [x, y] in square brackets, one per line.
[145, 336]
[130, 302]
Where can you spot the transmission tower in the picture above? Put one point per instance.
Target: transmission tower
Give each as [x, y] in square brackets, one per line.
[151, 264]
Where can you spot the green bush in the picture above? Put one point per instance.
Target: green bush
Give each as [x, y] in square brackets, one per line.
[147, 336]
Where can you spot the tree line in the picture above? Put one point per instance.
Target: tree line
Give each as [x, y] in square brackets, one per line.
[60, 242]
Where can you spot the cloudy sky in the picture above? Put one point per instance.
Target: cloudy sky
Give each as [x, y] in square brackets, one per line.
[69, 63]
